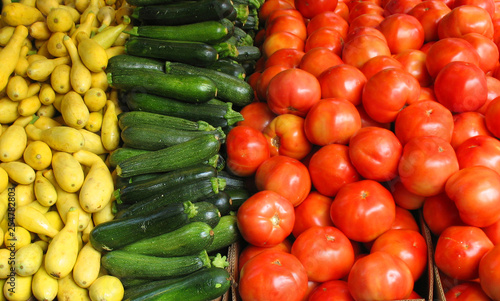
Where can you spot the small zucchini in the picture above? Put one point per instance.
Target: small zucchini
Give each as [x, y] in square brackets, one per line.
[126, 61]
[132, 118]
[225, 233]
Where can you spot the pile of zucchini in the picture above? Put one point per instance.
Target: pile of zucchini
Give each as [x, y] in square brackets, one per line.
[181, 83]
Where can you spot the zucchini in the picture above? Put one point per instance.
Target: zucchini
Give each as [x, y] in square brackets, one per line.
[126, 61]
[132, 118]
[190, 239]
[134, 282]
[185, 12]
[207, 213]
[225, 233]
[152, 137]
[122, 182]
[229, 88]
[139, 190]
[195, 53]
[186, 88]
[230, 67]
[124, 264]
[122, 153]
[232, 182]
[193, 192]
[202, 285]
[215, 114]
[209, 32]
[238, 196]
[120, 232]
[185, 154]
[247, 53]
[222, 201]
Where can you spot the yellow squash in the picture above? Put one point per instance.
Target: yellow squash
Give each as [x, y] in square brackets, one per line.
[13, 141]
[24, 194]
[59, 138]
[28, 259]
[19, 289]
[44, 191]
[34, 221]
[9, 55]
[92, 54]
[60, 80]
[17, 88]
[69, 290]
[15, 14]
[67, 171]
[110, 132]
[93, 142]
[74, 111]
[80, 76]
[19, 172]
[41, 70]
[44, 286]
[87, 266]
[38, 155]
[108, 288]
[8, 113]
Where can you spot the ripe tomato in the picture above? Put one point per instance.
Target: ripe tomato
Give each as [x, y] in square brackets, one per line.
[311, 8]
[271, 276]
[489, 275]
[264, 78]
[363, 210]
[287, 57]
[360, 49]
[479, 150]
[293, 91]
[465, 19]
[379, 63]
[429, 13]
[286, 136]
[325, 37]
[328, 19]
[280, 40]
[493, 84]
[405, 198]
[408, 245]
[488, 5]
[287, 23]
[362, 30]
[286, 176]
[491, 117]
[313, 211]
[325, 252]
[334, 290]
[380, 276]
[250, 251]
[493, 232]
[461, 87]
[265, 219]
[270, 6]
[256, 115]
[426, 164]
[375, 153]
[366, 20]
[364, 8]
[459, 250]
[476, 193]
[318, 59]
[332, 120]
[402, 32]
[283, 12]
[367, 121]
[486, 48]
[413, 61]
[467, 125]
[342, 81]
[246, 149]
[404, 220]
[330, 168]
[449, 50]
[440, 212]
[424, 118]
[468, 290]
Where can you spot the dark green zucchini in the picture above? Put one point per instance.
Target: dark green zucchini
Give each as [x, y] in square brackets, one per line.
[186, 88]
[126, 61]
[229, 88]
[222, 201]
[183, 13]
[232, 181]
[122, 182]
[122, 153]
[134, 282]
[132, 118]
[238, 196]
[225, 233]
[215, 114]
[140, 190]
[120, 232]
[195, 53]
[205, 32]
[248, 53]
[207, 213]
[188, 240]
[230, 67]
[205, 284]
[185, 154]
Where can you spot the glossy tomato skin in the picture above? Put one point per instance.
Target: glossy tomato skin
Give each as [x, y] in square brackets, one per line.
[256, 115]
[479, 150]
[287, 23]
[402, 32]
[293, 91]
[465, 19]
[330, 168]
[459, 250]
[468, 290]
[325, 37]
[426, 164]
[360, 49]
[328, 19]
[405, 220]
[310, 8]
[476, 193]
[449, 50]
[405, 198]
[318, 59]
[264, 78]
[491, 117]
[265, 219]
[380, 276]
[287, 57]
[413, 61]
[467, 125]
[379, 63]
[281, 40]
[486, 48]
[363, 210]
[489, 275]
[375, 153]
[313, 211]
[272, 275]
[342, 81]
[246, 149]
[286, 176]
[363, 8]
[250, 251]
[440, 212]
[286, 136]
[325, 252]
[334, 290]
[461, 87]
[429, 13]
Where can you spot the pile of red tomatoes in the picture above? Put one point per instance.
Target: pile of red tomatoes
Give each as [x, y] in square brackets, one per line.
[368, 113]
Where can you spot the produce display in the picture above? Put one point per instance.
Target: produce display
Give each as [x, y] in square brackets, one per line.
[348, 150]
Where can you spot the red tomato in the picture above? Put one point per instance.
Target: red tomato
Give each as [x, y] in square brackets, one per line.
[413, 61]
[468, 290]
[256, 115]
[318, 59]
[265, 77]
[367, 121]
[313, 211]
[270, 6]
[407, 245]
[363, 210]
[328, 19]
[427, 93]
[286, 136]
[491, 117]
[250, 251]
[379, 63]
[405, 198]
[366, 20]
[283, 12]
[334, 290]
[380, 276]
[402, 32]
[246, 149]
[287, 57]
[440, 212]
[426, 164]
[404, 220]
[311, 8]
[476, 193]
[375, 153]
[273, 275]
[287, 23]
[330, 168]
[479, 150]
[362, 30]
[424, 118]
[342, 81]
[488, 5]
[332, 120]
[325, 252]
[467, 125]
[489, 275]
[459, 250]
[387, 92]
[429, 13]
[363, 8]
[493, 232]
[493, 90]
[265, 219]
[449, 50]
[465, 19]
[326, 37]
[293, 91]
[486, 48]
[280, 40]
[342, 10]
[286, 176]
[399, 7]
[360, 49]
